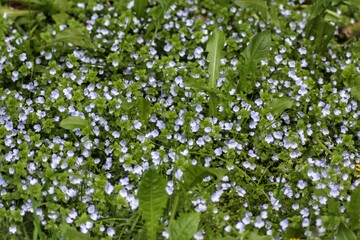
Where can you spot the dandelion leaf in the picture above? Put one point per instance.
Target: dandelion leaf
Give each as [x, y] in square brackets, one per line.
[152, 200]
[184, 227]
[193, 175]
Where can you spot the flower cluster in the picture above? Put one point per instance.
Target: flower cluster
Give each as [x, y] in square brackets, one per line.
[289, 171]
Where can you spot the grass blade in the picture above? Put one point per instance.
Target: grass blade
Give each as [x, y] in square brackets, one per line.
[152, 200]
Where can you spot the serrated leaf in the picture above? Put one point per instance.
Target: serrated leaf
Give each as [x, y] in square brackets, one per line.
[354, 209]
[140, 7]
[258, 48]
[72, 123]
[343, 233]
[279, 105]
[259, 4]
[193, 175]
[152, 200]
[184, 227]
[77, 36]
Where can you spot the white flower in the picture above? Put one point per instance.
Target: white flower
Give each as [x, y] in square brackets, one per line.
[52, 71]
[215, 197]
[284, 224]
[110, 232]
[116, 134]
[12, 229]
[137, 124]
[22, 57]
[302, 50]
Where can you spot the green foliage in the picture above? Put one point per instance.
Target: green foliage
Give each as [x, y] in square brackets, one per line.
[279, 105]
[351, 79]
[152, 200]
[72, 123]
[261, 5]
[193, 175]
[343, 233]
[184, 227]
[76, 36]
[144, 109]
[140, 7]
[257, 49]
[214, 48]
[70, 233]
[354, 210]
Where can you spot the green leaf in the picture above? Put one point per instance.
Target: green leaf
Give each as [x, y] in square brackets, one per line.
[351, 79]
[70, 233]
[72, 123]
[354, 209]
[322, 31]
[14, 13]
[256, 236]
[185, 227]
[279, 105]
[343, 233]
[152, 200]
[193, 175]
[144, 110]
[258, 48]
[140, 7]
[214, 48]
[259, 4]
[77, 36]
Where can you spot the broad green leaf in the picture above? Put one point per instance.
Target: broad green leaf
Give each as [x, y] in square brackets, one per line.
[322, 31]
[184, 227]
[214, 48]
[259, 4]
[354, 209]
[353, 3]
[14, 13]
[77, 36]
[70, 233]
[193, 175]
[258, 48]
[279, 105]
[140, 7]
[256, 236]
[72, 123]
[144, 109]
[152, 200]
[343, 233]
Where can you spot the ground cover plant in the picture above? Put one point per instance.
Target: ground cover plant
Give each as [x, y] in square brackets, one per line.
[179, 119]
